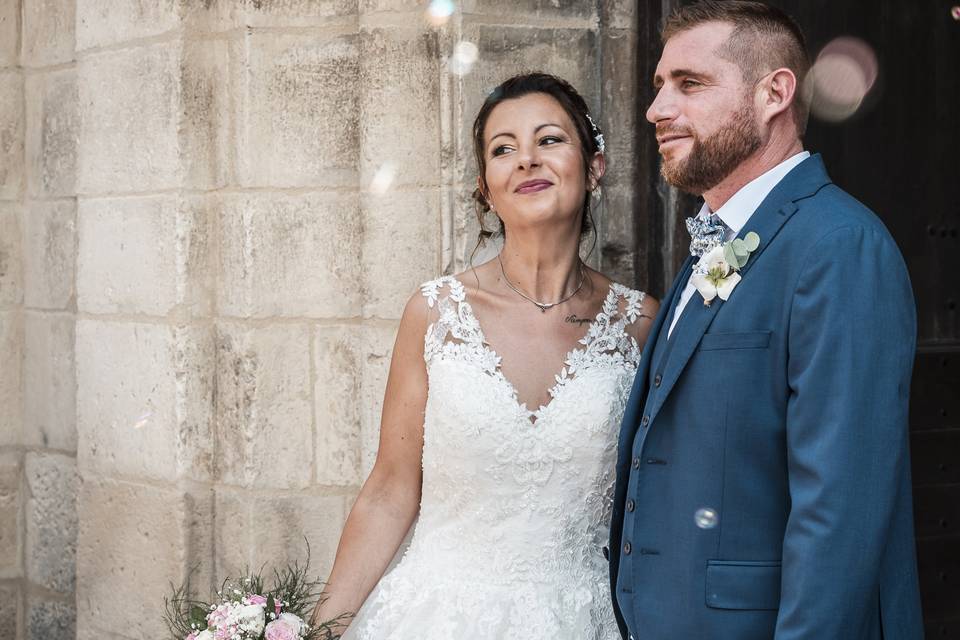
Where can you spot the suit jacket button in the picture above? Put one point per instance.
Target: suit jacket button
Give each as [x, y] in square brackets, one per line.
[636, 462]
[645, 422]
[627, 548]
[631, 505]
[657, 380]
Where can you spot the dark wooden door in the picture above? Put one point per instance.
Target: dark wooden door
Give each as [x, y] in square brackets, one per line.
[900, 155]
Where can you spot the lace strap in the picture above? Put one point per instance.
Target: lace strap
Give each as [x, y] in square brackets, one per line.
[431, 290]
[453, 321]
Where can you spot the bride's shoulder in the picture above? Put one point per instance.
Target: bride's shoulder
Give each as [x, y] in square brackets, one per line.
[636, 306]
[626, 295]
[430, 292]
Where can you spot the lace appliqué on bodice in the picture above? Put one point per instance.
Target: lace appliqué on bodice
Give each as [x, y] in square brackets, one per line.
[516, 503]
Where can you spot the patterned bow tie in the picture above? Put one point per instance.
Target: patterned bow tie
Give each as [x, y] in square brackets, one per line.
[707, 232]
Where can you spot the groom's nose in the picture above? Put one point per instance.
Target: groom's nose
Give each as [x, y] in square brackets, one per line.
[663, 107]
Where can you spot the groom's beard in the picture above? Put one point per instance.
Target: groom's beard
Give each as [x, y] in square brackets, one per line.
[712, 159]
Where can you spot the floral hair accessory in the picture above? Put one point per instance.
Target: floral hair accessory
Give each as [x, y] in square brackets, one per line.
[597, 134]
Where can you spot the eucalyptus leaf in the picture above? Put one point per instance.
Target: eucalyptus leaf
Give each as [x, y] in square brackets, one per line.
[752, 241]
[730, 256]
[739, 246]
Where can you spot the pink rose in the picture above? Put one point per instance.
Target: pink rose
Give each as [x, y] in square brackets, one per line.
[253, 598]
[280, 630]
[192, 636]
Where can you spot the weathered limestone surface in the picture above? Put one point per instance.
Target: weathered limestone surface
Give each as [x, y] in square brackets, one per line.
[298, 112]
[52, 131]
[337, 359]
[144, 400]
[275, 529]
[49, 381]
[10, 597]
[51, 518]
[10, 516]
[11, 380]
[50, 254]
[51, 620]
[264, 411]
[290, 255]
[11, 258]
[104, 23]
[129, 549]
[129, 116]
[9, 34]
[126, 242]
[48, 32]
[11, 133]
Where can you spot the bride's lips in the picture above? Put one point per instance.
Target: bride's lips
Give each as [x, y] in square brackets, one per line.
[533, 186]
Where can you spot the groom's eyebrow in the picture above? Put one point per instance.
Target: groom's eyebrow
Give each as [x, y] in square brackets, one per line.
[679, 73]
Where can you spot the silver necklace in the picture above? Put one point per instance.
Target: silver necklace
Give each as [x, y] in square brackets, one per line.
[542, 305]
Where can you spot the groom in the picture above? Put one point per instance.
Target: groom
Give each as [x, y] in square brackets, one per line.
[763, 480]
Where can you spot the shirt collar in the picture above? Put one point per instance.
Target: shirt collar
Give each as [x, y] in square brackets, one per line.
[737, 210]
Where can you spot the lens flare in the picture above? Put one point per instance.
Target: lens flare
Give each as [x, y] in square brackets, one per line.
[464, 56]
[706, 518]
[844, 73]
[143, 420]
[383, 178]
[439, 12]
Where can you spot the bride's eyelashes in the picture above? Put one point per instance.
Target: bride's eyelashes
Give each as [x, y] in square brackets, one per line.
[545, 141]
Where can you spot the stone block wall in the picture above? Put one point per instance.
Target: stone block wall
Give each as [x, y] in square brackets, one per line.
[38, 435]
[211, 215]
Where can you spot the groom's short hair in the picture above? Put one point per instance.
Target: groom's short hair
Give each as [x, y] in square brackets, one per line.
[764, 38]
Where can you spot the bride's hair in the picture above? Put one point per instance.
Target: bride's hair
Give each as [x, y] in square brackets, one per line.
[575, 106]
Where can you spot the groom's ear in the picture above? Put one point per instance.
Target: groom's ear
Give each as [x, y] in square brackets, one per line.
[777, 92]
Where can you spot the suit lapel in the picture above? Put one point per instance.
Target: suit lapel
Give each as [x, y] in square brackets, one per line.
[807, 178]
[638, 393]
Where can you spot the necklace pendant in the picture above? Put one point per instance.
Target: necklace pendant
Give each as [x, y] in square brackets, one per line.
[543, 307]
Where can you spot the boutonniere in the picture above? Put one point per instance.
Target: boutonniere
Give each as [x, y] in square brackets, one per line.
[718, 271]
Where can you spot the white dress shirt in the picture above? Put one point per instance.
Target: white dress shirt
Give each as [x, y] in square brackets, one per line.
[737, 210]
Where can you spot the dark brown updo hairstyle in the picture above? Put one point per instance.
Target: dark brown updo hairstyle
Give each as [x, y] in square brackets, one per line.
[571, 101]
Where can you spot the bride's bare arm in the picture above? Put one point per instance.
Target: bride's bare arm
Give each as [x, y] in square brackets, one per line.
[390, 497]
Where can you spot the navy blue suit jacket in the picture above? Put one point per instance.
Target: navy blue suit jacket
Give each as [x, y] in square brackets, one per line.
[784, 411]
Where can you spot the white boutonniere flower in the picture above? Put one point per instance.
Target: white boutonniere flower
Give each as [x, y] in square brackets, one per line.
[718, 272]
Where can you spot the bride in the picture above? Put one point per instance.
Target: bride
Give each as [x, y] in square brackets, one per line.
[502, 407]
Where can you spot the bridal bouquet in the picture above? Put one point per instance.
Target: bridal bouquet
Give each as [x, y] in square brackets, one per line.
[246, 608]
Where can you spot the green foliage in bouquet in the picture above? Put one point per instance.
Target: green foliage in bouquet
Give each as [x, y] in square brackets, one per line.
[249, 608]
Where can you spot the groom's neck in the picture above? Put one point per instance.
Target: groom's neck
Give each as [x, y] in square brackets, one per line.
[765, 158]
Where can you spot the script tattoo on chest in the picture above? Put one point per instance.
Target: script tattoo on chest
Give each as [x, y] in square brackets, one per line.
[573, 319]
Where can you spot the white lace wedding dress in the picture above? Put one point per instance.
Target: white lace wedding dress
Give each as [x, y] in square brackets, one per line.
[516, 503]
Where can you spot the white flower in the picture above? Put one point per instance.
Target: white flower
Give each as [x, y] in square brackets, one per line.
[205, 635]
[250, 618]
[713, 276]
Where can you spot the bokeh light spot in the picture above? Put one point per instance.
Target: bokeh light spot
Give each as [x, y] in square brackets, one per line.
[706, 518]
[464, 56]
[841, 77]
[383, 178]
[143, 420]
[439, 12]
[955, 12]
